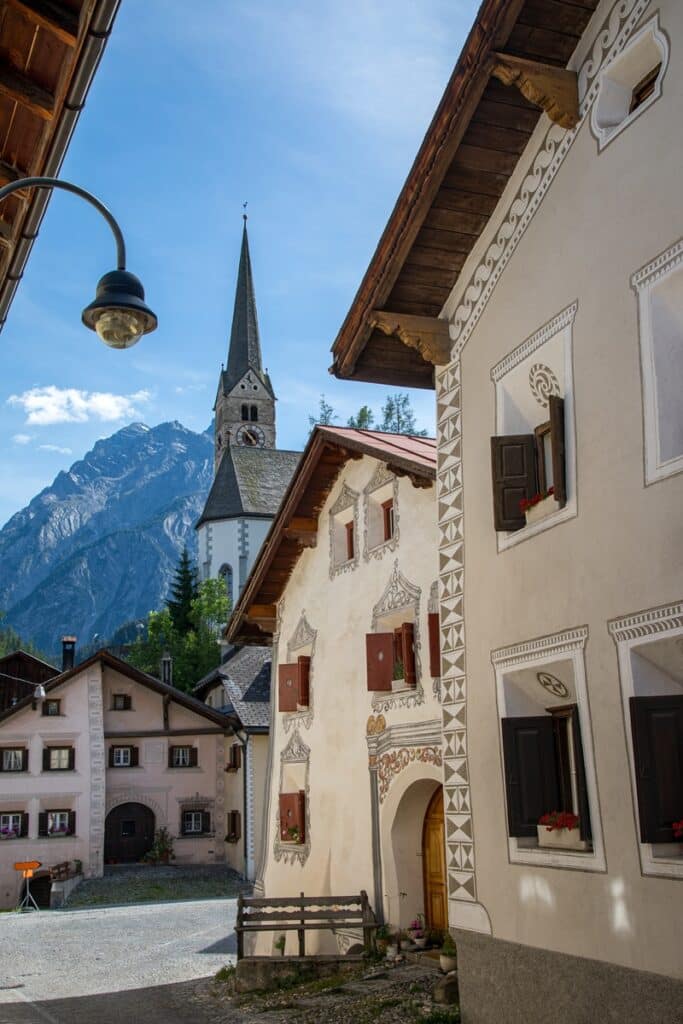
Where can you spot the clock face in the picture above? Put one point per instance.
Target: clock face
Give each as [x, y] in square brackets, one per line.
[251, 436]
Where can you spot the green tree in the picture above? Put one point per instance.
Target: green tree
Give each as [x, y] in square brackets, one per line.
[363, 420]
[326, 414]
[398, 416]
[183, 593]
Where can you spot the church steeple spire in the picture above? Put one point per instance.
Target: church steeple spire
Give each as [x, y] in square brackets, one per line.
[244, 352]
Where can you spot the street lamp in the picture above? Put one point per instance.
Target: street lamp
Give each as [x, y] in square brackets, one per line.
[118, 312]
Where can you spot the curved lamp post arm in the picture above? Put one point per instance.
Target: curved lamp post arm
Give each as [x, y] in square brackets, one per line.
[21, 183]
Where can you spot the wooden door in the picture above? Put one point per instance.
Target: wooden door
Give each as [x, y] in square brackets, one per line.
[434, 863]
[128, 833]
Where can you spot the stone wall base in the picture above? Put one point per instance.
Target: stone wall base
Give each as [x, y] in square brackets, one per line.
[504, 981]
[260, 973]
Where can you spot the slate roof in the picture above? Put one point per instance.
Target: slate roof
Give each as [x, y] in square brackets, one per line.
[245, 345]
[245, 676]
[249, 482]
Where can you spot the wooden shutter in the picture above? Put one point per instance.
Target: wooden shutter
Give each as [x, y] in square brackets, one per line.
[134, 757]
[350, 543]
[72, 758]
[170, 757]
[408, 651]
[530, 772]
[513, 466]
[194, 757]
[301, 813]
[657, 728]
[46, 759]
[42, 823]
[182, 823]
[289, 813]
[557, 446]
[434, 645]
[379, 648]
[237, 825]
[127, 702]
[24, 825]
[585, 830]
[24, 759]
[111, 757]
[206, 821]
[72, 823]
[304, 664]
[288, 687]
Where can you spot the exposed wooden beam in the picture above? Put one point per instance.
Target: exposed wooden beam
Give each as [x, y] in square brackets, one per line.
[421, 482]
[18, 86]
[302, 529]
[8, 173]
[52, 16]
[263, 615]
[553, 89]
[5, 232]
[429, 335]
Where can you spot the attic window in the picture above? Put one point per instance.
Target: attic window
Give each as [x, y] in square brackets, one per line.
[245, 412]
[253, 414]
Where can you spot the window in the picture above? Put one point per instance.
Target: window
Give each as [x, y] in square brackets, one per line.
[234, 757]
[13, 825]
[630, 83]
[127, 829]
[390, 659]
[343, 531]
[245, 412]
[123, 757]
[388, 518]
[121, 702]
[14, 759]
[253, 414]
[58, 759]
[659, 287]
[182, 757]
[51, 707]
[195, 823]
[380, 511]
[293, 817]
[350, 546]
[234, 831]
[56, 824]
[225, 572]
[294, 684]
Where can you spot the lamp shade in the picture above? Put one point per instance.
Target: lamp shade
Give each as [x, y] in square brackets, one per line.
[118, 312]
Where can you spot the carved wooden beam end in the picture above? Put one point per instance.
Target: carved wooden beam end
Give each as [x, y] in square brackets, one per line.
[428, 334]
[553, 89]
[302, 529]
[421, 482]
[264, 616]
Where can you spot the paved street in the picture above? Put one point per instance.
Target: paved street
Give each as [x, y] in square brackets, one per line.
[113, 965]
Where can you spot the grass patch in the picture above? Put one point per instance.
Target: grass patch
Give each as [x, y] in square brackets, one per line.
[226, 974]
[447, 1015]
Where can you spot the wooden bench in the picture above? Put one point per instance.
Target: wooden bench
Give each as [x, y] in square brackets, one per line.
[302, 914]
[61, 872]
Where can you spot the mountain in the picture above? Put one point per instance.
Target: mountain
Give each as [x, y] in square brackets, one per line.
[98, 547]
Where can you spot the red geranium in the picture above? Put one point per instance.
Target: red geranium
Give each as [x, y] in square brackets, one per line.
[678, 829]
[560, 819]
[526, 503]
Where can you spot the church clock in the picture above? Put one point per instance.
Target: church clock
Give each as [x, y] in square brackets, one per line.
[250, 436]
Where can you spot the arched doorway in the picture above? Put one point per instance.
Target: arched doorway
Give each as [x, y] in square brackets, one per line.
[434, 863]
[128, 833]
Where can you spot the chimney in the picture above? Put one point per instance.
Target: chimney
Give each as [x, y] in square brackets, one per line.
[68, 652]
[167, 668]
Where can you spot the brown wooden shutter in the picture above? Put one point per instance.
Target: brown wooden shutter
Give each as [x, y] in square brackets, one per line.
[513, 466]
[292, 813]
[408, 651]
[206, 821]
[44, 708]
[42, 823]
[350, 543]
[379, 648]
[182, 823]
[304, 664]
[194, 757]
[72, 823]
[23, 833]
[134, 757]
[237, 825]
[557, 444]
[585, 830]
[111, 757]
[301, 814]
[46, 759]
[657, 728]
[288, 687]
[24, 759]
[170, 756]
[72, 758]
[434, 645]
[530, 772]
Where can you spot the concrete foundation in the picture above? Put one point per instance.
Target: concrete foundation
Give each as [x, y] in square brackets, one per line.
[259, 973]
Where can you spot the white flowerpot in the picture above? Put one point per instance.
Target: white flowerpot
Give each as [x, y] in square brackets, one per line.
[421, 942]
[541, 510]
[398, 685]
[447, 963]
[561, 839]
[392, 951]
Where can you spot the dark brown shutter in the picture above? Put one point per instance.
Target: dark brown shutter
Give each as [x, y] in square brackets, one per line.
[585, 830]
[350, 543]
[657, 727]
[24, 759]
[301, 814]
[182, 823]
[194, 757]
[24, 825]
[127, 703]
[408, 651]
[513, 466]
[72, 758]
[289, 813]
[434, 645]
[134, 757]
[379, 649]
[206, 821]
[42, 823]
[44, 708]
[237, 755]
[304, 664]
[288, 687]
[46, 759]
[557, 445]
[530, 772]
[170, 757]
[72, 823]
[237, 825]
[111, 757]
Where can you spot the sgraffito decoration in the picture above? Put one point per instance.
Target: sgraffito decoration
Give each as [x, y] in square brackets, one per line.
[392, 763]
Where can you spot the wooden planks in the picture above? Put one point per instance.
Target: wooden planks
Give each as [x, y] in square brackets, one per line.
[18, 86]
[54, 17]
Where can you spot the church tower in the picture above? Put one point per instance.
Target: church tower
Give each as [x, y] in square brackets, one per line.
[245, 403]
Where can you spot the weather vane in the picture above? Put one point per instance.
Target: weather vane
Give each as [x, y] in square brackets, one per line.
[244, 215]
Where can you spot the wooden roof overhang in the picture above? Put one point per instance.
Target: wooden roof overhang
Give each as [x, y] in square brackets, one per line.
[296, 525]
[512, 67]
[49, 52]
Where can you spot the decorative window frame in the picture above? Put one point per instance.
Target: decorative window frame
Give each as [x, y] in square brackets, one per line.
[606, 133]
[347, 498]
[643, 282]
[400, 594]
[563, 323]
[295, 752]
[380, 478]
[568, 645]
[303, 636]
[629, 632]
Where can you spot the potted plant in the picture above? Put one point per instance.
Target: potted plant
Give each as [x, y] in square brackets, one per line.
[78, 867]
[417, 932]
[162, 848]
[280, 944]
[8, 833]
[293, 834]
[677, 826]
[541, 505]
[448, 958]
[398, 677]
[382, 937]
[394, 944]
[559, 830]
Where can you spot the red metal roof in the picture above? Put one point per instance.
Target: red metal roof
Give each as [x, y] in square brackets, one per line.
[420, 450]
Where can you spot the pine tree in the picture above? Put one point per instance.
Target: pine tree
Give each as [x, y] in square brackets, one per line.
[398, 416]
[325, 415]
[363, 420]
[184, 590]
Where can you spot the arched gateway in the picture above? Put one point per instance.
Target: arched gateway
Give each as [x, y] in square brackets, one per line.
[128, 833]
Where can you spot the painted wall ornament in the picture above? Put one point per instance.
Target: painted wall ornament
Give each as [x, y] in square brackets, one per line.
[543, 384]
[552, 684]
[392, 764]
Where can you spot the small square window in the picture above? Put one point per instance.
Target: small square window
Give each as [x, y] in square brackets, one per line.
[13, 760]
[52, 707]
[10, 825]
[59, 759]
[192, 822]
[122, 757]
[127, 829]
[57, 823]
[121, 702]
[181, 757]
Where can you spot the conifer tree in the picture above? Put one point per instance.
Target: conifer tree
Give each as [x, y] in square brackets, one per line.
[184, 590]
[398, 416]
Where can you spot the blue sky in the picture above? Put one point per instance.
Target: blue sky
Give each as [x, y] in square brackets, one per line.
[313, 114]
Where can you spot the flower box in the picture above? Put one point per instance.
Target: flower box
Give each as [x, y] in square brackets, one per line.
[397, 685]
[541, 510]
[561, 839]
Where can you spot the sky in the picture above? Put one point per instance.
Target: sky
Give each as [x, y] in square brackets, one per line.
[312, 113]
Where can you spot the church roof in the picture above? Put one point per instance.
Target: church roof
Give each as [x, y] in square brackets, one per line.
[249, 482]
[244, 353]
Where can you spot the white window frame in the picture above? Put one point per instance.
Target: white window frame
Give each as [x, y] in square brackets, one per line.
[193, 816]
[539, 654]
[11, 820]
[12, 754]
[121, 696]
[562, 324]
[122, 757]
[634, 631]
[54, 751]
[643, 282]
[57, 818]
[181, 756]
[53, 701]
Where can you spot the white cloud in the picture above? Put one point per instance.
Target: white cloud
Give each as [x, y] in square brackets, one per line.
[22, 438]
[48, 405]
[189, 387]
[55, 448]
